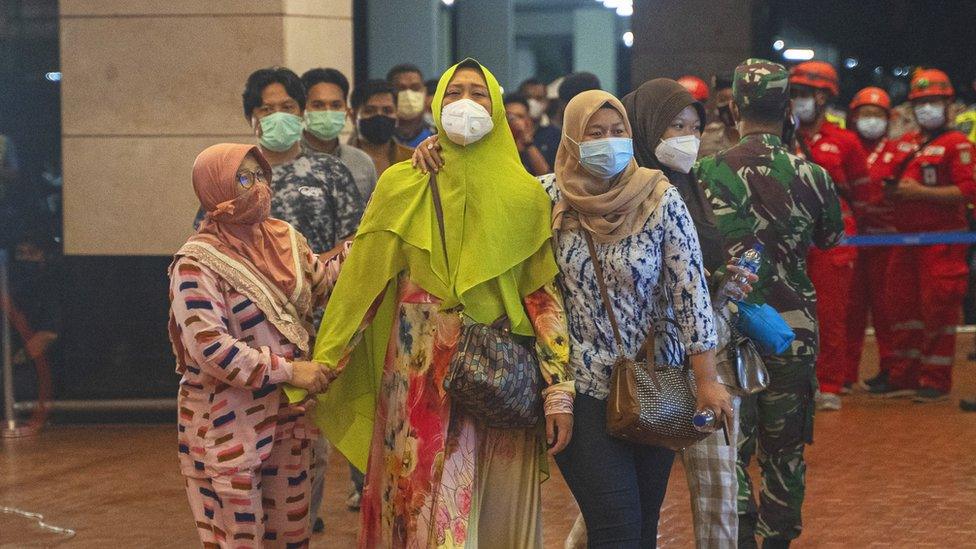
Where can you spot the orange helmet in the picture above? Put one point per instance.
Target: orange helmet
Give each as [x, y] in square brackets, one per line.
[695, 86]
[816, 74]
[929, 83]
[871, 96]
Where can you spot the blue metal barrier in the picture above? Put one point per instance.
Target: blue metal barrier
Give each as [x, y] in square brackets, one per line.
[910, 239]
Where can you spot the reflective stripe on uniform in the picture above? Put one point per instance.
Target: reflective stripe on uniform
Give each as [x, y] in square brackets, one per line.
[937, 360]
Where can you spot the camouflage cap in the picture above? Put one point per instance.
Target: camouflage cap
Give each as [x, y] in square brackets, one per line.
[760, 85]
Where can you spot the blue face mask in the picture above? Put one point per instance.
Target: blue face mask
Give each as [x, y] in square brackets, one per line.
[606, 157]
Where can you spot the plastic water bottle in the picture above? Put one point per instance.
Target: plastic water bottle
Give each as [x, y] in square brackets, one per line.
[749, 261]
[704, 421]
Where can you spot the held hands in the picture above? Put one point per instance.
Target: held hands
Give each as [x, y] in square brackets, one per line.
[427, 156]
[311, 376]
[299, 408]
[713, 396]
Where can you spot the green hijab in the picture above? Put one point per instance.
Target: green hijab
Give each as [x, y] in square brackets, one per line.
[496, 222]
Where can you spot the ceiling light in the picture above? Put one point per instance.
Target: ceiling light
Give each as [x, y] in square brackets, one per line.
[628, 39]
[798, 54]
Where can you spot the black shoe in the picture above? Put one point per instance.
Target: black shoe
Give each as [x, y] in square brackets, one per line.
[747, 532]
[867, 384]
[319, 526]
[775, 543]
[929, 394]
[887, 390]
[968, 405]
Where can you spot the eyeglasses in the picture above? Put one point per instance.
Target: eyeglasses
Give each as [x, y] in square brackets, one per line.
[247, 179]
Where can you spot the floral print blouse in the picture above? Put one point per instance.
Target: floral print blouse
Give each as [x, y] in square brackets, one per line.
[654, 277]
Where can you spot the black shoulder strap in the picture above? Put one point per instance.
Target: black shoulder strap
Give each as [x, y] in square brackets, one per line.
[903, 165]
[439, 211]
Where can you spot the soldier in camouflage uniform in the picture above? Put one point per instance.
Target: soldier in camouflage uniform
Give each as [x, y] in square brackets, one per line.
[762, 194]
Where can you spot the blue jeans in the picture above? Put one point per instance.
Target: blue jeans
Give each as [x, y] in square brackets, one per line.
[619, 486]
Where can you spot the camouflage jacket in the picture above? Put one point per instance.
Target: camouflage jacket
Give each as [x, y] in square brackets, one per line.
[318, 195]
[762, 194]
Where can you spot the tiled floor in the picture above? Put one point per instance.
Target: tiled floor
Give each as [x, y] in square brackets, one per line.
[881, 474]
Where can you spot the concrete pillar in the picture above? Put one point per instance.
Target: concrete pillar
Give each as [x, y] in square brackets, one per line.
[595, 40]
[147, 85]
[486, 32]
[404, 31]
[698, 37]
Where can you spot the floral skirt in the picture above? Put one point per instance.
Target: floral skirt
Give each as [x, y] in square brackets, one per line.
[435, 477]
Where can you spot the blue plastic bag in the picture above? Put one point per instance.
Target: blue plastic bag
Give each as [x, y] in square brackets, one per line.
[765, 327]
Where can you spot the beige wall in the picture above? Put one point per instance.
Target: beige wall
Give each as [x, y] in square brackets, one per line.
[147, 85]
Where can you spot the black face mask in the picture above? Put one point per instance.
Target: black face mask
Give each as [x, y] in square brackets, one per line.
[377, 129]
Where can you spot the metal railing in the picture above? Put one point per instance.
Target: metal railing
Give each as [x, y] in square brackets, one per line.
[10, 421]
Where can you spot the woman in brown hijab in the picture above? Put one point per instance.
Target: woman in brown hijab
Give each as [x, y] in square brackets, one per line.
[242, 291]
[668, 123]
[646, 244]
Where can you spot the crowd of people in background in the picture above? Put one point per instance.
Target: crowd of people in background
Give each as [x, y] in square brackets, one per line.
[343, 255]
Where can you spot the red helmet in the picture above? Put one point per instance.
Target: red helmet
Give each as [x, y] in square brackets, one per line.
[930, 83]
[816, 74]
[695, 86]
[871, 96]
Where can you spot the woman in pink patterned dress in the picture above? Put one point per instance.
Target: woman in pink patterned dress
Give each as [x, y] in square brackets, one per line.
[241, 291]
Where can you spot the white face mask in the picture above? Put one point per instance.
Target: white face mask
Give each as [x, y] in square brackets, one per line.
[805, 108]
[872, 128]
[410, 103]
[536, 108]
[465, 122]
[930, 115]
[678, 153]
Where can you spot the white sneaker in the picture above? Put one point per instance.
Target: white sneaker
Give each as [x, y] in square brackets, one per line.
[577, 536]
[828, 401]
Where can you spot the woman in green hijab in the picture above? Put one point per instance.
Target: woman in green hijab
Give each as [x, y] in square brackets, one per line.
[436, 477]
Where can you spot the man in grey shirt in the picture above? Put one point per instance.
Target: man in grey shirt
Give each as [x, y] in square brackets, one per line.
[326, 109]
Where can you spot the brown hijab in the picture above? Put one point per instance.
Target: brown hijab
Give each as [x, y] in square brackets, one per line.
[650, 109]
[610, 210]
[240, 226]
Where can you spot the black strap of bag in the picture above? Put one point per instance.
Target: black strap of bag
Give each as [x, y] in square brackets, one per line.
[500, 324]
[439, 211]
[903, 165]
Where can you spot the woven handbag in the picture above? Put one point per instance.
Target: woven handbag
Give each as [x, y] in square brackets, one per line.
[494, 375]
[648, 404]
[495, 379]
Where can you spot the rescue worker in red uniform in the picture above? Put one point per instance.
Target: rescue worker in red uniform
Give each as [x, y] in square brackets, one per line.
[930, 182]
[812, 85]
[868, 115]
